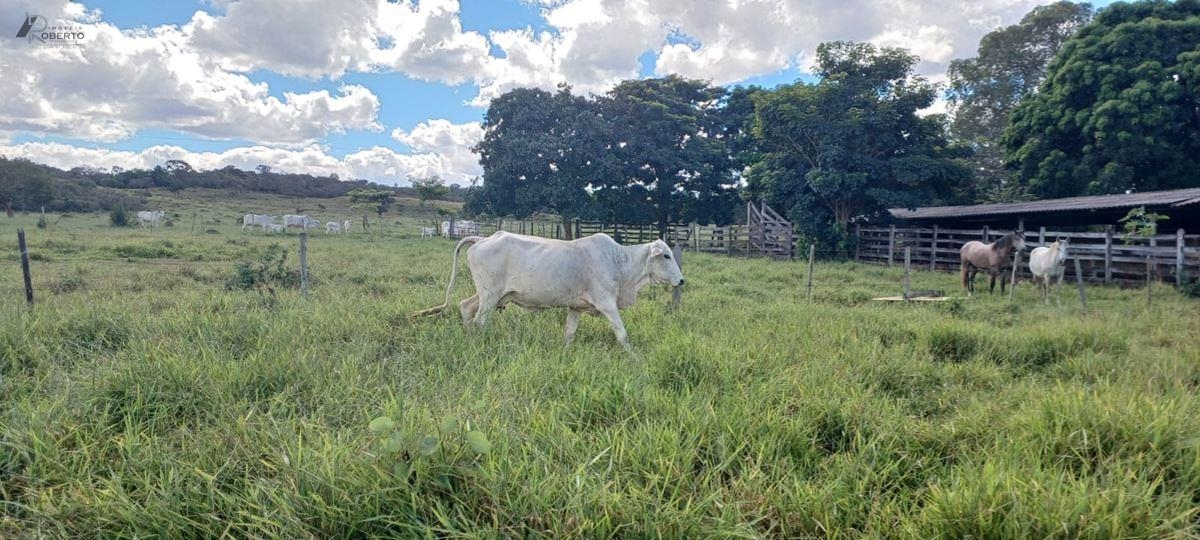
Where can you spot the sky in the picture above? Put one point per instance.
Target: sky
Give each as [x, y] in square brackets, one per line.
[391, 90]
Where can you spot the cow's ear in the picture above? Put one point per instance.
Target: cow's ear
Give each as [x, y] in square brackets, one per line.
[656, 251]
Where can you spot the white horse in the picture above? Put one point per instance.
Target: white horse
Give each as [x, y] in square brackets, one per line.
[1047, 263]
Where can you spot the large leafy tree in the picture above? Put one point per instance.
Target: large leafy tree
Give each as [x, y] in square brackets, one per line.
[851, 145]
[672, 153]
[1119, 108]
[540, 152]
[985, 89]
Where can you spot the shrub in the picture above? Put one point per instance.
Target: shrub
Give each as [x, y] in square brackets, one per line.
[1190, 289]
[41, 222]
[268, 272]
[119, 216]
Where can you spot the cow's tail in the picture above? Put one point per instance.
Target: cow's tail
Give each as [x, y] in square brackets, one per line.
[449, 288]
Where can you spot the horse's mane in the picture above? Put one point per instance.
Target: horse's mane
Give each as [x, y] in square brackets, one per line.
[1004, 241]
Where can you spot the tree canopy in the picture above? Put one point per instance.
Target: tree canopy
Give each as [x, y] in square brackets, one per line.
[540, 152]
[1118, 108]
[852, 144]
[672, 153]
[983, 91]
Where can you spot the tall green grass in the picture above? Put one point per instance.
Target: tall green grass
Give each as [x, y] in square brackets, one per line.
[150, 400]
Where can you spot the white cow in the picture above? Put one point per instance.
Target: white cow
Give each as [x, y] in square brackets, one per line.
[257, 220]
[593, 275]
[274, 228]
[152, 218]
[333, 227]
[300, 222]
[346, 225]
[461, 228]
[428, 231]
[1048, 263]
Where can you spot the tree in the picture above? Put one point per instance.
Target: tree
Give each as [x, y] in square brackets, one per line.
[540, 152]
[372, 200]
[178, 166]
[985, 89]
[672, 153]
[431, 188]
[851, 145]
[1118, 108]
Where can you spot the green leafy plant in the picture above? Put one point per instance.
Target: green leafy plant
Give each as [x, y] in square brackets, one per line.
[266, 273]
[119, 216]
[1140, 224]
[432, 460]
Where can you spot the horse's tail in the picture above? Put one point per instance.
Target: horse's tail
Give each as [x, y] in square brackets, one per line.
[449, 288]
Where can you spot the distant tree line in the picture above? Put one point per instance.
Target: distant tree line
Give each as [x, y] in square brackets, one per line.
[1065, 102]
[27, 186]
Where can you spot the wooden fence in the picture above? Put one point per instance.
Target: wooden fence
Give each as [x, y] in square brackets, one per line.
[1104, 256]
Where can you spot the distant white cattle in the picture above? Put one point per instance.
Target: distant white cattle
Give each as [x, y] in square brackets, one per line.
[593, 275]
[274, 228]
[300, 222]
[152, 218]
[257, 220]
[347, 225]
[461, 228]
[333, 227]
[428, 231]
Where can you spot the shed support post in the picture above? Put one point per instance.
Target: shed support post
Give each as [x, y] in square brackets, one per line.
[1108, 236]
[891, 244]
[1042, 236]
[933, 250]
[1179, 258]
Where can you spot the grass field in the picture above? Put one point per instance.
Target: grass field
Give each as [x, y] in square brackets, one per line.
[141, 398]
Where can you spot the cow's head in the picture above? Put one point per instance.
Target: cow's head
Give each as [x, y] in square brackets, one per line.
[661, 265]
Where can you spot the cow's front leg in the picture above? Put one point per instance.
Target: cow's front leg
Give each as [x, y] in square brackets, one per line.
[572, 325]
[614, 320]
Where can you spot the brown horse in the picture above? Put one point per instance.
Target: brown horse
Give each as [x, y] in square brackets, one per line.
[992, 258]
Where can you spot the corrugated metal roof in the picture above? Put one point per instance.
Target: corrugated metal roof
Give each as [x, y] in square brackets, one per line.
[1175, 197]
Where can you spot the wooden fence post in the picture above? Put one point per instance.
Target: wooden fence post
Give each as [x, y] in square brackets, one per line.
[891, 244]
[1148, 281]
[987, 237]
[304, 264]
[1042, 236]
[907, 263]
[193, 224]
[812, 254]
[1179, 258]
[677, 291]
[1108, 236]
[933, 250]
[857, 242]
[25, 266]
[1079, 284]
[729, 236]
[576, 236]
[695, 235]
[1012, 282]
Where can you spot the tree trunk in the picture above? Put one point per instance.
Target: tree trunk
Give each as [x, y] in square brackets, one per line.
[568, 231]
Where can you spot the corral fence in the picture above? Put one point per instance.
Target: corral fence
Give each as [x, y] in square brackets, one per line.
[766, 233]
[1105, 257]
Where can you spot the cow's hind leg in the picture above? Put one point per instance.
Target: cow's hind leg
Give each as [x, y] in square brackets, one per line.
[487, 302]
[468, 307]
[572, 325]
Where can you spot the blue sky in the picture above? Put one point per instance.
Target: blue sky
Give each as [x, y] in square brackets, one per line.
[384, 91]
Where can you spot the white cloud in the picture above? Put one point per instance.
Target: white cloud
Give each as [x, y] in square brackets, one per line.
[119, 82]
[377, 164]
[451, 142]
[594, 43]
